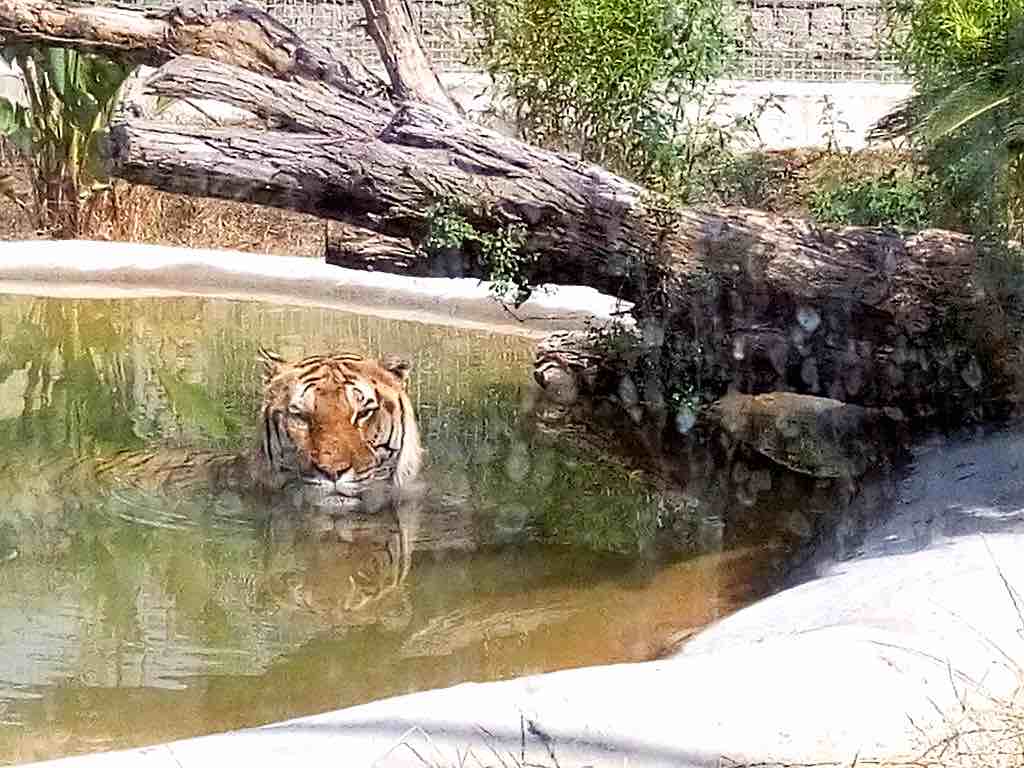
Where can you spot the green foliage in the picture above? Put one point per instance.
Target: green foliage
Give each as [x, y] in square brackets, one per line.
[625, 83]
[682, 368]
[71, 97]
[751, 179]
[500, 253]
[893, 200]
[968, 115]
[704, 162]
[448, 229]
[936, 39]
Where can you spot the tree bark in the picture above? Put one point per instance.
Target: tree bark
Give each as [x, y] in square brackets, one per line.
[726, 298]
[243, 36]
[358, 248]
[390, 24]
[361, 161]
[286, 106]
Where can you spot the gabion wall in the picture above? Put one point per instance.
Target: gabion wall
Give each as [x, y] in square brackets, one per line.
[819, 40]
[816, 40]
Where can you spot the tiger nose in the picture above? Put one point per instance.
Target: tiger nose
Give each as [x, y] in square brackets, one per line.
[331, 474]
[336, 474]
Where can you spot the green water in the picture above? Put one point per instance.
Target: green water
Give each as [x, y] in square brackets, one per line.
[128, 617]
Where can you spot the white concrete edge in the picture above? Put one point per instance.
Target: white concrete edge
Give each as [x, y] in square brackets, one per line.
[102, 269]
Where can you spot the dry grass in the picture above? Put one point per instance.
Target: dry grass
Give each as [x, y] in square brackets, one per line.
[142, 215]
[991, 735]
[783, 181]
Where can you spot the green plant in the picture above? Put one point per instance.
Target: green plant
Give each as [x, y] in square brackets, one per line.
[893, 200]
[625, 83]
[71, 97]
[500, 253]
[937, 39]
[447, 229]
[967, 117]
[704, 161]
[683, 368]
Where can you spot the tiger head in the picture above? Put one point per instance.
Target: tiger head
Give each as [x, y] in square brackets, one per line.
[340, 427]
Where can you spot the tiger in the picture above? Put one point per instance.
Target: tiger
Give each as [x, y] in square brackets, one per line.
[339, 444]
[339, 428]
[341, 425]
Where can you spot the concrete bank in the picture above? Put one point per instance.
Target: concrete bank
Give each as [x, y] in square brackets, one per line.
[91, 269]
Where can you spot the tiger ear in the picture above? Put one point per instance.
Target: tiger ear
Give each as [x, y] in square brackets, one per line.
[272, 363]
[398, 366]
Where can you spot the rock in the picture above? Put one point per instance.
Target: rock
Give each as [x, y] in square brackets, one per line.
[815, 436]
[685, 419]
[569, 364]
[558, 381]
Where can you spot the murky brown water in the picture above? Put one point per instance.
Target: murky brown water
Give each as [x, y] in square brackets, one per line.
[129, 618]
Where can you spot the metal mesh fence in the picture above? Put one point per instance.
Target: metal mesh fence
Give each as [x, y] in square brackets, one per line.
[445, 26]
[816, 40]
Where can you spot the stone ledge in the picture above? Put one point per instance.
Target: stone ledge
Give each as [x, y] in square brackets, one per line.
[95, 269]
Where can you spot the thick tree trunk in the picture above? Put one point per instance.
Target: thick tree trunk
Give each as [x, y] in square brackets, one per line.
[358, 248]
[282, 105]
[361, 163]
[726, 297]
[389, 184]
[241, 36]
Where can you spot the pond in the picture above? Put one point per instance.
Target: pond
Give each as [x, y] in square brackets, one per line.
[130, 616]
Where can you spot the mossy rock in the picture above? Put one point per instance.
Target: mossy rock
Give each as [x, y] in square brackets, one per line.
[814, 436]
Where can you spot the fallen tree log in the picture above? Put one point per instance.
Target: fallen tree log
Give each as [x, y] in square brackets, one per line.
[282, 105]
[242, 36]
[724, 298]
[359, 248]
[582, 221]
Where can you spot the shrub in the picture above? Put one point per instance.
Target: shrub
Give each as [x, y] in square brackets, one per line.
[71, 97]
[624, 83]
[937, 39]
[500, 253]
[967, 118]
[893, 200]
